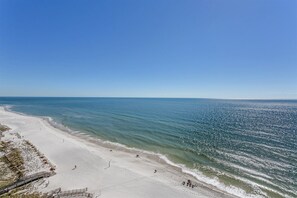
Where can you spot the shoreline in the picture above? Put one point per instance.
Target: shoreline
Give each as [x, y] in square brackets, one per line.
[166, 182]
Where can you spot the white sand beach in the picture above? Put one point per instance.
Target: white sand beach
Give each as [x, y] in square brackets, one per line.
[111, 174]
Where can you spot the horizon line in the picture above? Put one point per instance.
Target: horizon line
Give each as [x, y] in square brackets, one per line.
[153, 97]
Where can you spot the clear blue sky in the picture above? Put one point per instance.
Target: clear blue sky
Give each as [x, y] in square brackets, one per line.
[149, 48]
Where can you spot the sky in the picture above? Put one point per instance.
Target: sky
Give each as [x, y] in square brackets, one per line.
[149, 48]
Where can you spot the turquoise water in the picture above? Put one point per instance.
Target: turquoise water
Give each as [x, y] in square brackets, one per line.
[248, 148]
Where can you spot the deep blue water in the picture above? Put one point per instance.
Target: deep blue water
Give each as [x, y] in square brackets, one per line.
[251, 145]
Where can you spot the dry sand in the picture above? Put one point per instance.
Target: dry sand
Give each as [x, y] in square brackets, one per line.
[106, 174]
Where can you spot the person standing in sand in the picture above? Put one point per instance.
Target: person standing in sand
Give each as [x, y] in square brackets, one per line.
[74, 167]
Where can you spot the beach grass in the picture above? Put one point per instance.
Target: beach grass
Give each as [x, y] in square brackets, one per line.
[7, 175]
[16, 161]
[18, 192]
[4, 128]
[12, 164]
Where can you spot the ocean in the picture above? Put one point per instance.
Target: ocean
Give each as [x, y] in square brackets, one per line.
[245, 147]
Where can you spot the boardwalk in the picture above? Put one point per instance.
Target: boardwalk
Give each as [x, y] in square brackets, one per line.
[24, 181]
